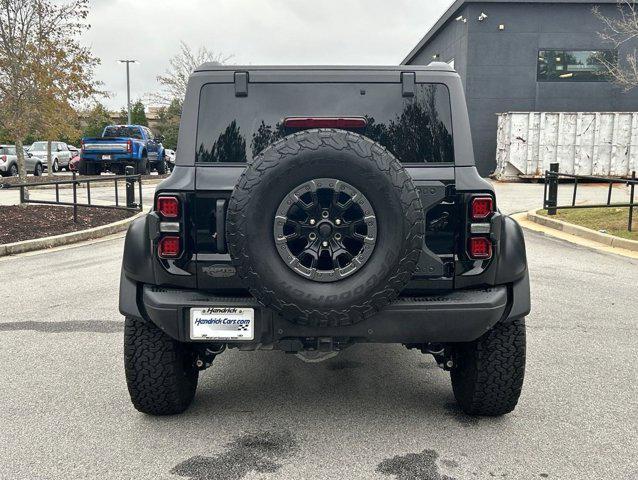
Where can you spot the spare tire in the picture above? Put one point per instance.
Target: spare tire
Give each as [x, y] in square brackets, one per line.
[325, 227]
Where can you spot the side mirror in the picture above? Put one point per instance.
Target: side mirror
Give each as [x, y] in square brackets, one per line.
[159, 138]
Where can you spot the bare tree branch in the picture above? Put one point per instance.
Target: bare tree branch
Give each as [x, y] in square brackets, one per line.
[175, 79]
[618, 31]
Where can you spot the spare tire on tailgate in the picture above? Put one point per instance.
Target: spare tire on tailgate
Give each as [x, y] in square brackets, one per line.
[325, 227]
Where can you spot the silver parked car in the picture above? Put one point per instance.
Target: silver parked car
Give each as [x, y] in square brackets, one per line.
[9, 162]
[60, 154]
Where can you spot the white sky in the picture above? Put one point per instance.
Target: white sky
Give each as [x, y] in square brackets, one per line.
[271, 32]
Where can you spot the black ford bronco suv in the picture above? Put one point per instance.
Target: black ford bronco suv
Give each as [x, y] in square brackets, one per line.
[312, 208]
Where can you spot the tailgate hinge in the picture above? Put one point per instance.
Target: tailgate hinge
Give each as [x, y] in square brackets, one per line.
[241, 84]
[408, 80]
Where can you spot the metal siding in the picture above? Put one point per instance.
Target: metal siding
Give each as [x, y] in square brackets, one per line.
[583, 143]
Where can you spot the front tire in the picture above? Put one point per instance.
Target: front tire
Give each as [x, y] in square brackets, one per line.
[56, 166]
[488, 377]
[37, 171]
[160, 372]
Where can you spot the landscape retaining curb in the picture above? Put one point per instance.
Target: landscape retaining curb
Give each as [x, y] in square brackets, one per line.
[583, 232]
[66, 238]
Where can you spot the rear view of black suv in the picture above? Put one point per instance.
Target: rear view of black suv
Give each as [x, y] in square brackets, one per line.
[312, 208]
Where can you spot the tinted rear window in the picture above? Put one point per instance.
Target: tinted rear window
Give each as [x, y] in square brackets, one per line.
[415, 129]
[122, 132]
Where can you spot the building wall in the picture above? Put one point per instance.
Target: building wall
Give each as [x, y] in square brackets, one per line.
[450, 43]
[501, 66]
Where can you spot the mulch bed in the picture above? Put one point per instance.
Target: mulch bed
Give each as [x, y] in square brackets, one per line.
[19, 223]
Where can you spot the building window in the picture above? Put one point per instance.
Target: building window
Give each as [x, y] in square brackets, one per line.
[574, 65]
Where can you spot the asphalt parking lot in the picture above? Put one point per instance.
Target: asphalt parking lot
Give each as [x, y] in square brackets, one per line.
[371, 412]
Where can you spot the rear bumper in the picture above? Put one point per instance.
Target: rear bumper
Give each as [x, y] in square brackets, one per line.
[459, 316]
[115, 158]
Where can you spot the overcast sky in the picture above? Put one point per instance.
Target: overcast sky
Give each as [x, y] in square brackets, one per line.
[272, 32]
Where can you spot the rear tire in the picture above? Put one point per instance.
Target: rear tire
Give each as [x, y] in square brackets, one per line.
[56, 166]
[143, 167]
[160, 372]
[161, 167]
[83, 167]
[489, 374]
[13, 171]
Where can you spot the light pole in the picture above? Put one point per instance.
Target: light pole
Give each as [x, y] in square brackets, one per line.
[128, 87]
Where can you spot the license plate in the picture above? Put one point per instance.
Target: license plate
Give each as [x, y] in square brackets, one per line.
[222, 323]
[106, 157]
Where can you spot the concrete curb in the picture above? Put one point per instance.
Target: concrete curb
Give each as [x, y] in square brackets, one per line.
[67, 238]
[583, 232]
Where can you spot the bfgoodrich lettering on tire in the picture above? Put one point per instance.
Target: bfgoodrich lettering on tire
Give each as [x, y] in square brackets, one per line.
[325, 227]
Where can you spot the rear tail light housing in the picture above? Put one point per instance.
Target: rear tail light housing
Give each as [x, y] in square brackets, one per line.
[167, 207]
[481, 208]
[325, 122]
[169, 246]
[3, 158]
[129, 146]
[479, 248]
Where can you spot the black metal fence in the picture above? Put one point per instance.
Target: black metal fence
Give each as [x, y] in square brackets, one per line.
[550, 195]
[129, 204]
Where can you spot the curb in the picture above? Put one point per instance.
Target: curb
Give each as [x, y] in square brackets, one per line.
[583, 232]
[67, 238]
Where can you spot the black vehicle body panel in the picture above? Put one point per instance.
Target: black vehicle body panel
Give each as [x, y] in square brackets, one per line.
[436, 306]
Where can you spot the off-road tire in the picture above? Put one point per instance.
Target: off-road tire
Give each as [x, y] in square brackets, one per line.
[84, 167]
[325, 153]
[160, 372]
[488, 377]
[161, 167]
[143, 166]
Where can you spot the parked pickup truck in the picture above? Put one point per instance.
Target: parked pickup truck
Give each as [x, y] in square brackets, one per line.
[121, 146]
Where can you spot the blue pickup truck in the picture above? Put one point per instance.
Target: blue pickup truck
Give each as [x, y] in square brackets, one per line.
[121, 146]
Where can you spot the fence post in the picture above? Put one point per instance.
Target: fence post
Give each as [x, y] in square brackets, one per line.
[75, 199]
[631, 200]
[552, 196]
[130, 187]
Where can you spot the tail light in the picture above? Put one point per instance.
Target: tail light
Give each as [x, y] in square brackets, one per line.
[169, 246]
[482, 208]
[3, 158]
[479, 248]
[324, 122]
[129, 146]
[168, 207]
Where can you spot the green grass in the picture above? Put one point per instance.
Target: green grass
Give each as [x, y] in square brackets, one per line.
[612, 220]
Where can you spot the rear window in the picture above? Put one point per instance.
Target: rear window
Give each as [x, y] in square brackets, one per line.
[235, 129]
[117, 131]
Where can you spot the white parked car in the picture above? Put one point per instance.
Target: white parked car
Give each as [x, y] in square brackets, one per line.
[169, 155]
[60, 154]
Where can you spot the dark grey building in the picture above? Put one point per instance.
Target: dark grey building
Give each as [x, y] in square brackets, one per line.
[524, 56]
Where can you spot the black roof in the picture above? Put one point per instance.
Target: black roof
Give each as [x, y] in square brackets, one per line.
[458, 4]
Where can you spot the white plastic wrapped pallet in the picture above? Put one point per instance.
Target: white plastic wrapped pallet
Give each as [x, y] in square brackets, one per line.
[583, 143]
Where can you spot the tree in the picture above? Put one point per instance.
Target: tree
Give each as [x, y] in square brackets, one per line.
[138, 114]
[168, 123]
[620, 31]
[175, 78]
[44, 70]
[96, 120]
